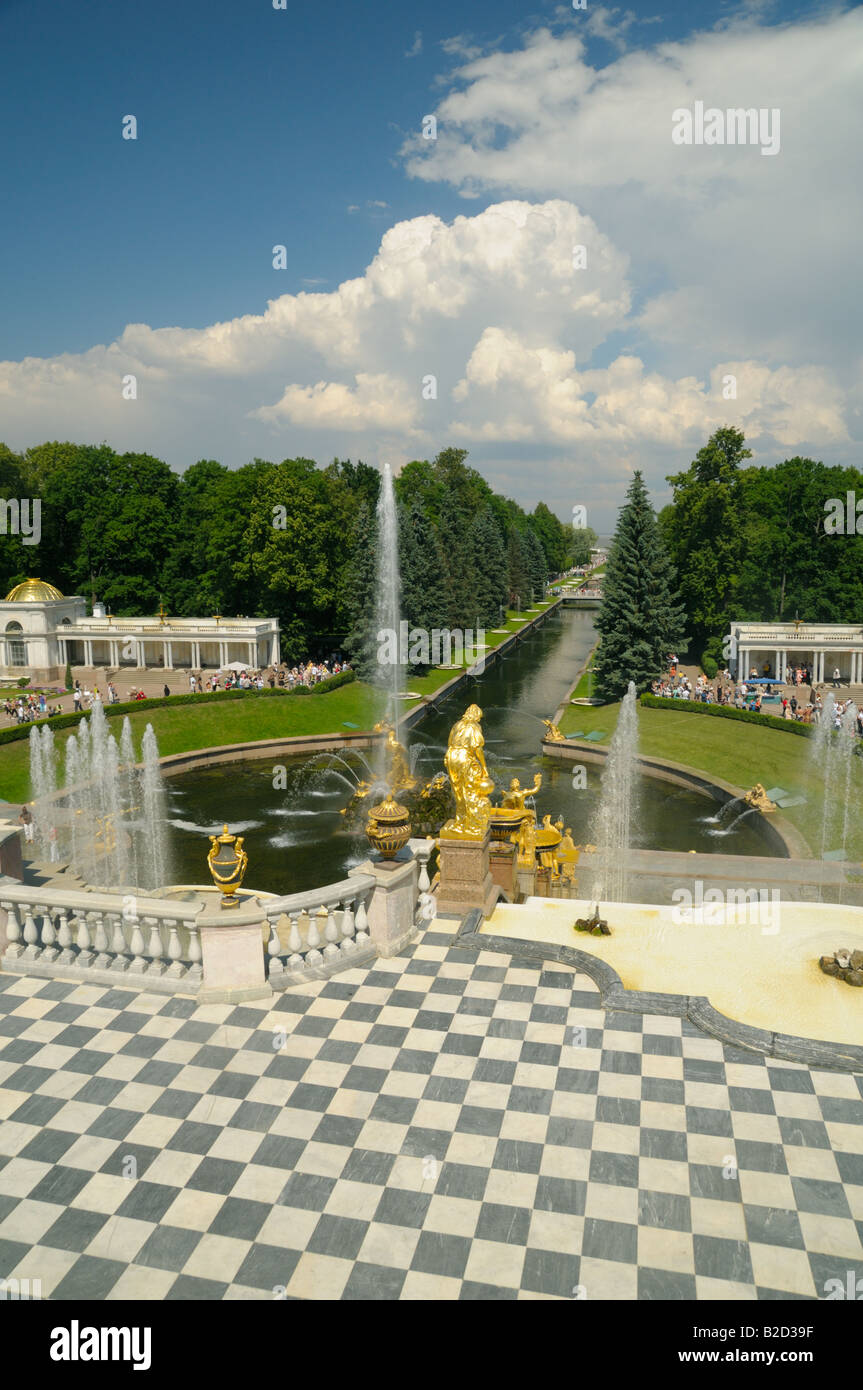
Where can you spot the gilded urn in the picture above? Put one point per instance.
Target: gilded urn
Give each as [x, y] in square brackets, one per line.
[388, 827]
[227, 862]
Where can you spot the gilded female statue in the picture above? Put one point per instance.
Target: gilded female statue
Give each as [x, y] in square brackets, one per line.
[471, 784]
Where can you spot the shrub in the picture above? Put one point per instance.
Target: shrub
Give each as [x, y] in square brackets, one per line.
[770, 721]
[709, 666]
[68, 678]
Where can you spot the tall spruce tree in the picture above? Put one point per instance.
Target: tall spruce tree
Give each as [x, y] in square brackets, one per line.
[640, 620]
[518, 575]
[426, 593]
[490, 568]
[454, 533]
[358, 599]
[536, 564]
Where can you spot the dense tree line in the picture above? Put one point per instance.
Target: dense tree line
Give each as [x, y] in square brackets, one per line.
[290, 540]
[760, 544]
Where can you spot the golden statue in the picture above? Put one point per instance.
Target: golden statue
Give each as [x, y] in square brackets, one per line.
[471, 784]
[554, 734]
[566, 857]
[398, 777]
[527, 842]
[515, 797]
[759, 799]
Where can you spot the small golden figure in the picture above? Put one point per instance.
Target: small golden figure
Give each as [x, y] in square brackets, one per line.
[515, 797]
[399, 778]
[554, 734]
[759, 799]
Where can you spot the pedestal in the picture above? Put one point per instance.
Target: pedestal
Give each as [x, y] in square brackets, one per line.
[393, 901]
[233, 961]
[502, 862]
[465, 876]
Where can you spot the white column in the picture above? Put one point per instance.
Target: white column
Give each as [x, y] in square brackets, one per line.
[88, 652]
[169, 657]
[196, 656]
[783, 656]
[141, 655]
[223, 654]
[253, 657]
[274, 653]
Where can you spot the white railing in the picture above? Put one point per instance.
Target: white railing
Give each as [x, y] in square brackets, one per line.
[155, 944]
[311, 930]
[144, 942]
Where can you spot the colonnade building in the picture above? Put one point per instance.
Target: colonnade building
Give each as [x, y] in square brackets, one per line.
[41, 629]
[822, 647]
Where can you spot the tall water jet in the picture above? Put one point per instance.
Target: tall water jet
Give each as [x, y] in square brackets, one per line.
[130, 793]
[832, 755]
[617, 805]
[154, 855]
[388, 597]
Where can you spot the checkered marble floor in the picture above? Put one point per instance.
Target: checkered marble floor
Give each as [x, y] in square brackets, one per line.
[443, 1125]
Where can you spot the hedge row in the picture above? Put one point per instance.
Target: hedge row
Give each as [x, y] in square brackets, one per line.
[68, 721]
[771, 721]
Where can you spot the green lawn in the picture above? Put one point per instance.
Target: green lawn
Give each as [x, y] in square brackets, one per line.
[732, 750]
[229, 721]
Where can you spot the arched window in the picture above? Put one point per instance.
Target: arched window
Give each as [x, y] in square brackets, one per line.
[16, 647]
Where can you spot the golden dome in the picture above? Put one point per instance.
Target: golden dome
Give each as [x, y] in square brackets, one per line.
[32, 591]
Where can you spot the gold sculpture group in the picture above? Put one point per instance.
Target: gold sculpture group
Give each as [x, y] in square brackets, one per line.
[513, 820]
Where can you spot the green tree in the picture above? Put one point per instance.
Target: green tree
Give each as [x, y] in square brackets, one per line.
[426, 593]
[584, 538]
[359, 594]
[704, 534]
[640, 620]
[536, 563]
[518, 573]
[490, 568]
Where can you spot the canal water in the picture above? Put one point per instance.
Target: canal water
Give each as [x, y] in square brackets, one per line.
[295, 836]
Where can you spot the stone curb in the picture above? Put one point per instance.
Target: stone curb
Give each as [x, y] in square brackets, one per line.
[696, 1008]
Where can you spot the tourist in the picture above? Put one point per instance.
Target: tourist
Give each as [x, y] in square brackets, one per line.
[76, 698]
[837, 678]
[26, 820]
[166, 690]
[191, 683]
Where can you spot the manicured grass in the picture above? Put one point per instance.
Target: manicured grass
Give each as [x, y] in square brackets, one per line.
[733, 751]
[206, 726]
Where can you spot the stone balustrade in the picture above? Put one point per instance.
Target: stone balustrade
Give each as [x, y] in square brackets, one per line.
[145, 943]
[176, 947]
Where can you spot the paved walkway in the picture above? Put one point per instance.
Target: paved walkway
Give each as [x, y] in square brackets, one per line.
[443, 1125]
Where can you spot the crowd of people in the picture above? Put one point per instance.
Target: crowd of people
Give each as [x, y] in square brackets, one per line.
[750, 695]
[32, 705]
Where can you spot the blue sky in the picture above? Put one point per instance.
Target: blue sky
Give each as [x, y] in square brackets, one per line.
[260, 126]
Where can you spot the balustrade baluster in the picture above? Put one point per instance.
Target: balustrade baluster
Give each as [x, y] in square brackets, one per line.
[176, 970]
[136, 945]
[64, 939]
[85, 956]
[100, 944]
[13, 932]
[275, 966]
[362, 935]
[328, 922]
[195, 971]
[49, 936]
[31, 935]
[118, 946]
[154, 947]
